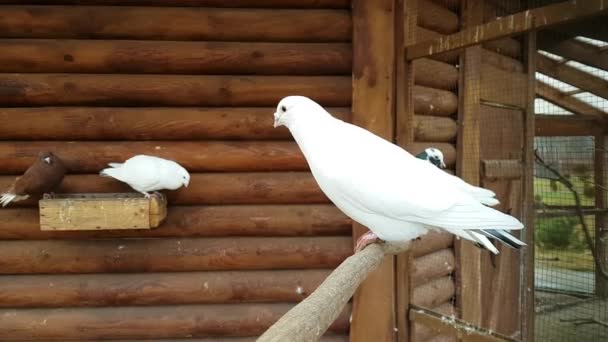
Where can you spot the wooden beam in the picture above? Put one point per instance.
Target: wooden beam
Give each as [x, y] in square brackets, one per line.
[501, 168]
[565, 125]
[510, 25]
[373, 316]
[455, 327]
[306, 4]
[573, 49]
[468, 275]
[576, 106]
[569, 74]
[601, 202]
[527, 300]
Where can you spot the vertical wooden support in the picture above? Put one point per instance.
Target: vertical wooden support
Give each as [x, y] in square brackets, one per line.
[373, 316]
[469, 275]
[601, 235]
[405, 29]
[527, 288]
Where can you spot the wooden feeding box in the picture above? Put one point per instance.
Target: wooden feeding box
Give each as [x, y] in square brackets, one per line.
[87, 211]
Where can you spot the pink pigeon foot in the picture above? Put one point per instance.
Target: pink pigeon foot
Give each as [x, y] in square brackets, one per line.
[366, 239]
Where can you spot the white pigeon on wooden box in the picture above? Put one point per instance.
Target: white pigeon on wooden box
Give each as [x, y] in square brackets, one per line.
[148, 173]
[380, 185]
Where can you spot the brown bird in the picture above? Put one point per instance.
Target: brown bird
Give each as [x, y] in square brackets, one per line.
[43, 176]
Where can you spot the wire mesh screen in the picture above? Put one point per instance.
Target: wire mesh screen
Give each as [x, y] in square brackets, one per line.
[569, 174]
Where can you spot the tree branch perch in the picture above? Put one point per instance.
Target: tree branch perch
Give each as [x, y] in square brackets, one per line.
[309, 320]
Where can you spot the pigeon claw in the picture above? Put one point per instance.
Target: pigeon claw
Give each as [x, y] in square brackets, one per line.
[366, 239]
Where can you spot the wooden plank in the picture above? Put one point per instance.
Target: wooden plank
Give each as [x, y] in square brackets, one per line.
[173, 57]
[494, 169]
[434, 128]
[158, 288]
[575, 50]
[431, 101]
[175, 23]
[574, 105]
[146, 322]
[431, 242]
[423, 34]
[172, 254]
[434, 293]
[149, 123]
[208, 188]
[435, 17]
[83, 157]
[432, 266]
[197, 3]
[168, 90]
[509, 47]
[502, 87]
[501, 61]
[435, 74]
[423, 333]
[600, 171]
[469, 297]
[510, 25]
[569, 74]
[199, 221]
[373, 316]
[565, 125]
[455, 327]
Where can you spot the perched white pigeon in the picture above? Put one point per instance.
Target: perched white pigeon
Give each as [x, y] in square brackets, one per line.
[148, 173]
[432, 155]
[380, 185]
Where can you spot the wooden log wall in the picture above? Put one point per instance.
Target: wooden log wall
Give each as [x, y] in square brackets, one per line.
[252, 234]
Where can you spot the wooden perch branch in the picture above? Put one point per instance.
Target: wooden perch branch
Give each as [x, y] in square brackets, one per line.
[309, 320]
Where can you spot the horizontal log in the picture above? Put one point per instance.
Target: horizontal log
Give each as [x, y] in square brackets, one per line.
[83, 157]
[423, 34]
[175, 23]
[432, 241]
[146, 322]
[208, 188]
[435, 74]
[199, 221]
[168, 90]
[502, 169]
[197, 3]
[158, 123]
[431, 101]
[505, 46]
[434, 128]
[171, 57]
[326, 338]
[169, 255]
[433, 293]
[438, 18]
[158, 288]
[432, 266]
[565, 125]
[448, 149]
[501, 61]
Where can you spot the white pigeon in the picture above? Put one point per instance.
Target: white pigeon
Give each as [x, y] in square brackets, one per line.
[432, 155]
[380, 185]
[148, 173]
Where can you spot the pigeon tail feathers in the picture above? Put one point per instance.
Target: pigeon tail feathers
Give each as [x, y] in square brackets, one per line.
[109, 172]
[503, 237]
[10, 197]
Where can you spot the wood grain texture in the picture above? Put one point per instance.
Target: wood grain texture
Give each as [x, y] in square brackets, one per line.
[434, 293]
[501, 61]
[209, 188]
[196, 3]
[424, 333]
[92, 157]
[568, 125]
[510, 47]
[431, 101]
[168, 90]
[199, 221]
[171, 254]
[373, 316]
[431, 242]
[158, 288]
[175, 23]
[431, 266]
[502, 87]
[146, 322]
[438, 18]
[423, 34]
[435, 74]
[173, 57]
[435, 128]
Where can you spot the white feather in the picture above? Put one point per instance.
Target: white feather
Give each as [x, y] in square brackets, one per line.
[382, 186]
[10, 197]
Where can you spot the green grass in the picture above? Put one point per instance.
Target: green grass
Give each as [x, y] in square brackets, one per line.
[568, 259]
[559, 194]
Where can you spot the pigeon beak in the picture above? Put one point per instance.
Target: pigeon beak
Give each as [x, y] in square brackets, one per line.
[47, 160]
[186, 184]
[276, 120]
[443, 166]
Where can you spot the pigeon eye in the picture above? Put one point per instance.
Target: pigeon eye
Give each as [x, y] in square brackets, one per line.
[283, 109]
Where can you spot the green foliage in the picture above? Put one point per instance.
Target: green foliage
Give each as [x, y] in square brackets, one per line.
[557, 232]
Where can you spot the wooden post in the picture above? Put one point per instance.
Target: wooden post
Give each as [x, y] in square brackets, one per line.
[405, 30]
[373, 316]
[527, 288]
[601, 239]
[469, 294]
